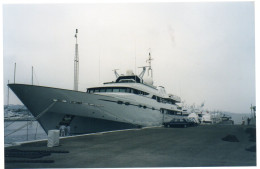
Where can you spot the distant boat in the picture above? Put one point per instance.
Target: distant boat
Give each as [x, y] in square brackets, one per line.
[206, 118]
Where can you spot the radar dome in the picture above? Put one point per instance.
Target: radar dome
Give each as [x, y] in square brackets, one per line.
[129, 72]
[161, 90]
[148, 80]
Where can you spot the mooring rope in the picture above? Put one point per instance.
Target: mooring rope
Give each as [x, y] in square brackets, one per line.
[36, 118]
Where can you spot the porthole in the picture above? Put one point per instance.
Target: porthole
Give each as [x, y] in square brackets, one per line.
[119, 102]
[127, 103]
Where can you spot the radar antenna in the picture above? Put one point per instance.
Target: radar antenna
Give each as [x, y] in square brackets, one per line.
[150, 66]
[115, 71]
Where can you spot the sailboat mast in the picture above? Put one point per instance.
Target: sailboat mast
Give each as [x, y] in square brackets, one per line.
[32, 75]
[8, 94]
[14, 71]
[76, 63]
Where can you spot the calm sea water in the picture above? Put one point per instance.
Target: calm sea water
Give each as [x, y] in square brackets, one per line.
[35, 132]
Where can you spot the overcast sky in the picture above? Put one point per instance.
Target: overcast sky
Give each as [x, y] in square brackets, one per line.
[201, 51]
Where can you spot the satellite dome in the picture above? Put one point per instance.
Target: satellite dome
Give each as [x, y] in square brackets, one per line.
[129, 72]
[162, 91]
[148, 80]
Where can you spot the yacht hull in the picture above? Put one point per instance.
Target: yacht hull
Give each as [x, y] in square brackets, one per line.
[85, 112]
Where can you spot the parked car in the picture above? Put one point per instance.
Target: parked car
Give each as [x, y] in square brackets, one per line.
[180, 123]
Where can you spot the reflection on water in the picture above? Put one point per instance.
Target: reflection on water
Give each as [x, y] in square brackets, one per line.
[35, 131]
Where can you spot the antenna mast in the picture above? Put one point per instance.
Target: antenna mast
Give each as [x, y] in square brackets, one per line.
[149, 61]
[76, 63]
[115, 71]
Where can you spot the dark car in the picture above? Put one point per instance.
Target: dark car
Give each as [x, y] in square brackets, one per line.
[179, 123]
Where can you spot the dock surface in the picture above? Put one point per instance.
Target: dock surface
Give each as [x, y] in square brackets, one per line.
[201, 146]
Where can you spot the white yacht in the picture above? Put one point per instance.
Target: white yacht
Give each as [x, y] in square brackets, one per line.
[128, 102]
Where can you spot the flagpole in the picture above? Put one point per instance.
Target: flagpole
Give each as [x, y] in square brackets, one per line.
[76, 64]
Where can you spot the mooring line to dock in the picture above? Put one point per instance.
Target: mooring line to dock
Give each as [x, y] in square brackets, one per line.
[36, 118]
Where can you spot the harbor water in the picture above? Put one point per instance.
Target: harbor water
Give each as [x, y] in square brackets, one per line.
[34, 131]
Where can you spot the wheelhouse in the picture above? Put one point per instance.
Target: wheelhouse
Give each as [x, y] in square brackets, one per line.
[129, 79]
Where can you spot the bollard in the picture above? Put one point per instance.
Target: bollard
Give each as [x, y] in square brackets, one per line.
[53, 138]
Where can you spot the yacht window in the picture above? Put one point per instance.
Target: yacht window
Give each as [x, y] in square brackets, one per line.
[126, 81]
[128, 90]
[163, 100]
[115, 90]
[154, 97]
[122, 90]
[135, 91]
[178, 113]
[158, 99]
[102, 90]
[109, 90]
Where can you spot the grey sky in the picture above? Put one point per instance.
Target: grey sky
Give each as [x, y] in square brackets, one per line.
[202, 51]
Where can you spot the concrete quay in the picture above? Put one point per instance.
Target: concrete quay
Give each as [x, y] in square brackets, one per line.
[201, 146]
